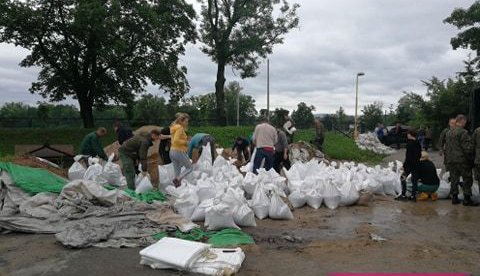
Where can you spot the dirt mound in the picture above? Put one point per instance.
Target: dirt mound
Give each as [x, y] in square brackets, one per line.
[34, 162]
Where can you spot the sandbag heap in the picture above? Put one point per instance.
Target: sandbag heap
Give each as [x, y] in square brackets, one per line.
[369, 141]
[316, 183]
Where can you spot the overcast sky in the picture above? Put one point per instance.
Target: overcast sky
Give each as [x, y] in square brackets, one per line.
[396, 43]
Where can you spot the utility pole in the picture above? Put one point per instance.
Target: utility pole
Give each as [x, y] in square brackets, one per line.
[238, 106]
[268, 89]
[355, 132]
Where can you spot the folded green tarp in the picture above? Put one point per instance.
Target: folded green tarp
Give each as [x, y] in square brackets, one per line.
[225, 238]
[33, 180]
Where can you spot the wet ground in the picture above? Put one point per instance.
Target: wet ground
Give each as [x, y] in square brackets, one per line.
[419, 237]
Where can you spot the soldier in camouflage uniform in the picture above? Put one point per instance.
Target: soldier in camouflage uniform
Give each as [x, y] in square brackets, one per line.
[476, 146]
[441, 141]
[458, 151]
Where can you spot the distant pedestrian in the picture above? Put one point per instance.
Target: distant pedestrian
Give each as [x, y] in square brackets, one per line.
[459, 153]
[428, 178]
[164, 147]
[410, 166]
[179, 147]
[91, 145]
[289, 127]
[264, 137]
[242, 147]
[197, 142]
[135, 150]
[281, 152]
[380, 132]
[398, 132]
[428, 137]
[421, 137]
[123, 133]
[319, 135]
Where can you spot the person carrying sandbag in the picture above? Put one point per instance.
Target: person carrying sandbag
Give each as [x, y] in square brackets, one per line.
[91, 145]
[136, 149]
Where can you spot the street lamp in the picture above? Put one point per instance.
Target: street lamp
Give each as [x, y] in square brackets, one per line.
[355, 132]
[268, 89]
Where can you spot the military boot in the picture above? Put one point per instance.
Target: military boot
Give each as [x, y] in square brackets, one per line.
[469, 202]
[455, 200]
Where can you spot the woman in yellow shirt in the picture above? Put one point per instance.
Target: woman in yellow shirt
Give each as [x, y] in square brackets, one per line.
[179, 146]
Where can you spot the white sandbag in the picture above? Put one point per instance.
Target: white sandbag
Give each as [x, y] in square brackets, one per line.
[331, 196]
[93, 172]
[166, 174]
[244, 216]
[349, 194]
[205, 162]
[186, 205]
[206, 189]
[260, 202]
[219, 216]
[249, 166]
[297, 199]
[112, 172]
[220, 261]
[249, 183]
[200, 210]
[314, 198]
[77, 170]
[144, 185]
[278, 209]
[443, 190]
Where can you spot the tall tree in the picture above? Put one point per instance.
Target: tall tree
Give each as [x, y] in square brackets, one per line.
[303, 116]
[467, 21]
[240, 33]
[277, 117]
[248, 113]
[341, 119]
[99, 51]
[372, 115]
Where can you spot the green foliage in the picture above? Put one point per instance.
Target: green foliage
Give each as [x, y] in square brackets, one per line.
[408, 107]
[372, 115]
[248, 113]
[241, 33]
[100, 51]
[150, 110]
[17, 110]
[467, 21]
[303, 116]
[277, 117]
[341, 119]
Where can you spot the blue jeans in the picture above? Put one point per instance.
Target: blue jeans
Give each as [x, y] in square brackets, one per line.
[259, 156]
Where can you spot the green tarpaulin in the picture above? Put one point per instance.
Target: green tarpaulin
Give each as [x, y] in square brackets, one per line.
[33, 180]
[228, 237]
[148, 197]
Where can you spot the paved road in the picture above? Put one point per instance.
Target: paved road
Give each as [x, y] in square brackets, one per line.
[435, 156]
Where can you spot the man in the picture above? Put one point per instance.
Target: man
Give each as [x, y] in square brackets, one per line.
[410, 166]
[241, 145]
[476, 146]
[441, 141]
[164, 147]
[459, 153]
[91, 145]
[319, 135]
[123, 133]
[281, 152]
[289, 127]
[264, 137]
[195, 146]
[397, 131]
[136, 150]
[379, 131]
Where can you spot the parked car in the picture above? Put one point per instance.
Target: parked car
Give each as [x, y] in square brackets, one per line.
[392, 138]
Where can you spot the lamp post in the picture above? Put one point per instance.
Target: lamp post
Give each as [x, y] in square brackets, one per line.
[355, 132]
[238, 106]
[268, 89]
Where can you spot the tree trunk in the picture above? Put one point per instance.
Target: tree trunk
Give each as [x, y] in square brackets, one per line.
[86, 111]
[220, 94]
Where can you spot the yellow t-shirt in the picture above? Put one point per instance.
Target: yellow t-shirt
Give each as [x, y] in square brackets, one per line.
[179, 138]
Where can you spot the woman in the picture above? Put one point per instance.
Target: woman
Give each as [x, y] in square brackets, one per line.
[178, 148]
[428, 178]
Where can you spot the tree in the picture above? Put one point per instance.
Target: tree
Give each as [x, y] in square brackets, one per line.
[466, 20]
[277, 117]
[99, 51]
[341, 119]
[248, 112]
[409, 106]
[17, 110]
[240, 33]
[303, 116]
[150, 110]
[372, 115]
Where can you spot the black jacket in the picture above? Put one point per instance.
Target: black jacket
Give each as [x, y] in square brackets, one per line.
[123, 134]
[427, 173]
[412, 156]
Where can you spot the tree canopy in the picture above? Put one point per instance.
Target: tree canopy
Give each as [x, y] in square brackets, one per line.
[303, 116]
[100, 51]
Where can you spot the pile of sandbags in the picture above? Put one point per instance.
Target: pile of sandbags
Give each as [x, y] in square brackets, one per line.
[316, 183]
[369, 141]
[110, 173]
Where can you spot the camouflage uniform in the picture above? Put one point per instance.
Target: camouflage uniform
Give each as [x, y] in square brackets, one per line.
[458, 150]
[476, 147]
[441, 146]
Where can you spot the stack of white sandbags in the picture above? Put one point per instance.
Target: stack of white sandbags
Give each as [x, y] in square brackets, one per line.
[110, 173]
[316, 183]
[369, 141]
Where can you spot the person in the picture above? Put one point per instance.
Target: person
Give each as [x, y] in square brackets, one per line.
[242, 146]
[289, 127]
[164, 146]
[135, 150]
[459, 153]
[319, 135]
[428, 137]
[441, 141]
[197, 142]
[91, 145]
[264, 137]
[380, 132]
[476, 146]
[397, 131]
[281, 152]
[123, 133]
[427, 178]
[179, 147]
[421, 137]
[410, 166]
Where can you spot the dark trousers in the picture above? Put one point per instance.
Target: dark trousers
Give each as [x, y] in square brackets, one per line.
[277, 164]
[243, 153]
[259, 156]
[406, 172]
[318, 142]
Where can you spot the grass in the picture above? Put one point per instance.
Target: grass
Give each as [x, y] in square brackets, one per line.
[336, 145]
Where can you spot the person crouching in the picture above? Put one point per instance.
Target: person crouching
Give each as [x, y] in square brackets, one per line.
[428, 178]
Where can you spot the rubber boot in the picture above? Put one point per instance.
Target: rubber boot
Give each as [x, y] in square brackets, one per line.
[469, 202]
[455, 200]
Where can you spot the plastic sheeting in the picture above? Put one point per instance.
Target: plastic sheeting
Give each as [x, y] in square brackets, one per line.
[369, 141]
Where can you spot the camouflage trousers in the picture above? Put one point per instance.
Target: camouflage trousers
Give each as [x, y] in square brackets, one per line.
[464, 171]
